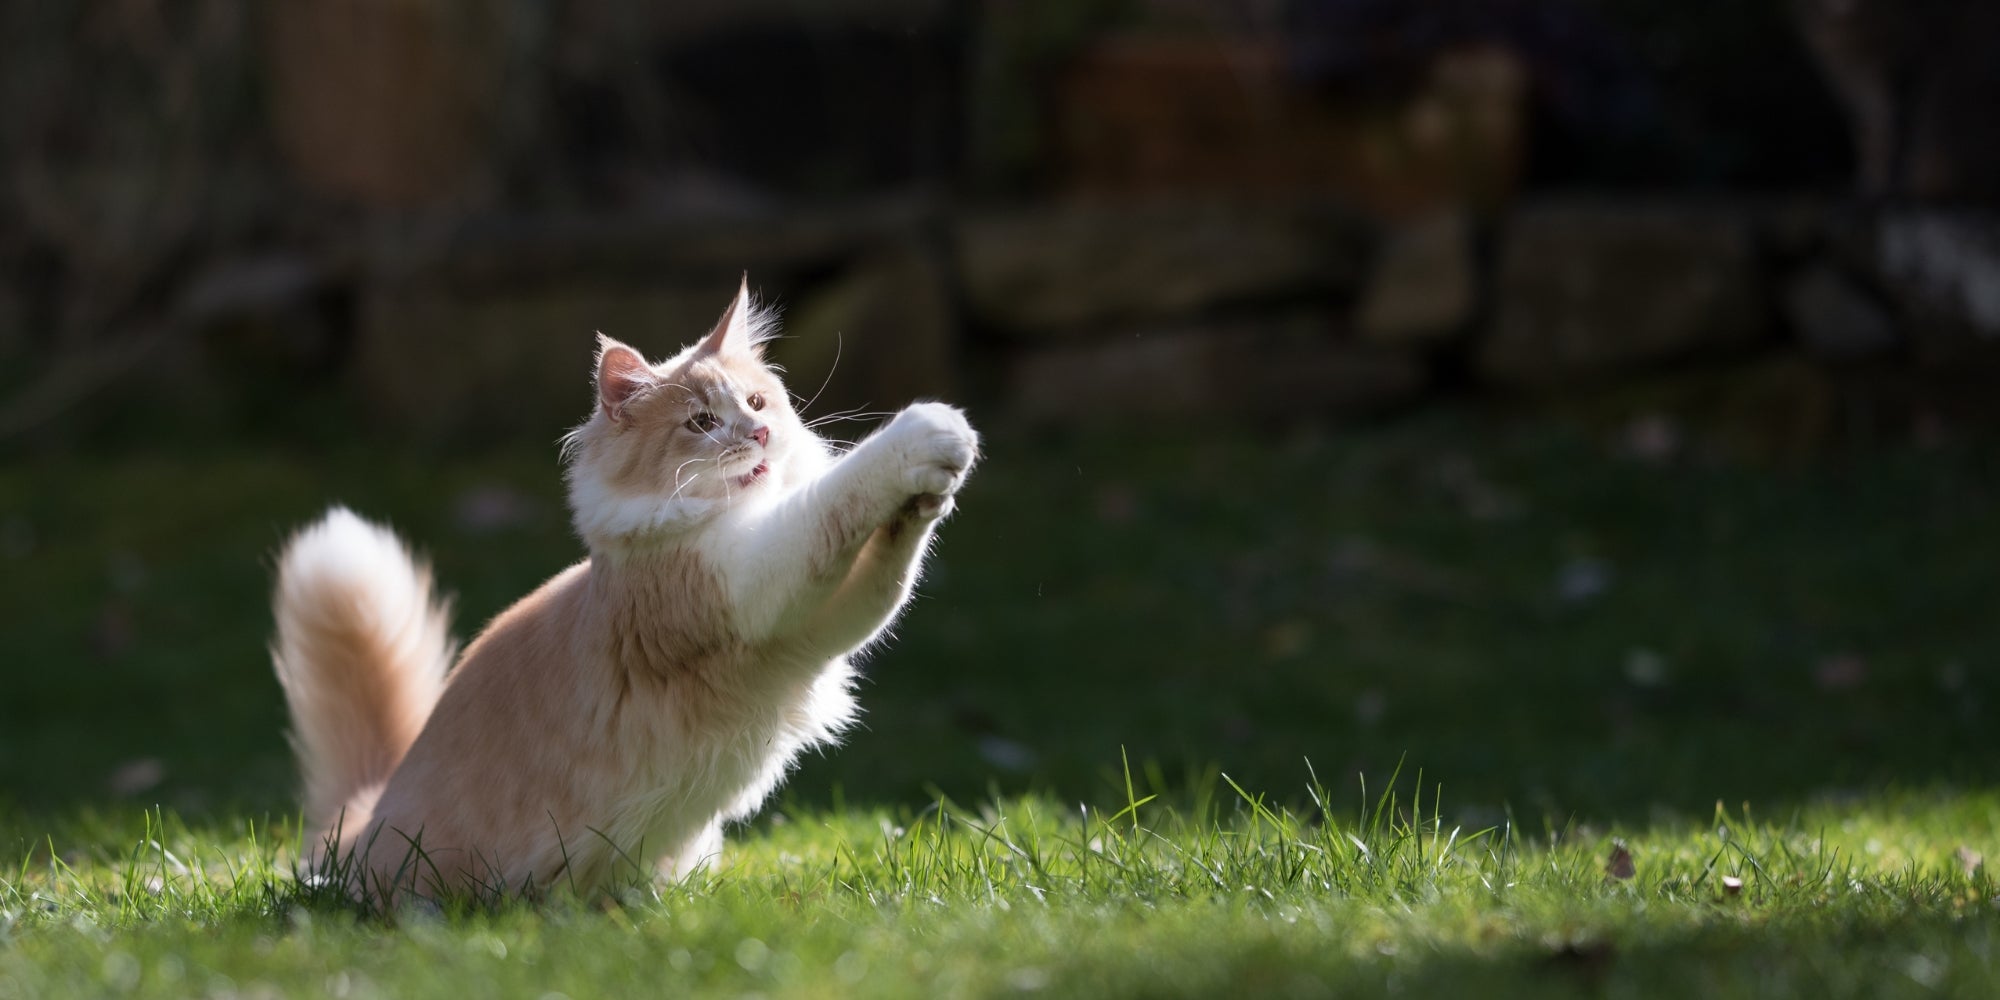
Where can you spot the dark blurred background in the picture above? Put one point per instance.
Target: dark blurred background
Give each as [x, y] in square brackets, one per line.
[326, 218]
[257, 257]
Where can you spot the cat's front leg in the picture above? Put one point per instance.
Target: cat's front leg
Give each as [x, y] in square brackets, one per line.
[886, 568]
[884, 573]
[798, 555]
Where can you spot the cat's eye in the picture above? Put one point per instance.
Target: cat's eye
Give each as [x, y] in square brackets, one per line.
[703, 422]
[756, 400]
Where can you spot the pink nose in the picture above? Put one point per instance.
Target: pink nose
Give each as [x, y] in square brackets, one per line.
[762, 434]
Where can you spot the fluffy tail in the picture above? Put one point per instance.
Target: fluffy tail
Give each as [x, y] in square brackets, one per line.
[362, 650]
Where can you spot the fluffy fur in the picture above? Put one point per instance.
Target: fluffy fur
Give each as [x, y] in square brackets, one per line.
[619, 714]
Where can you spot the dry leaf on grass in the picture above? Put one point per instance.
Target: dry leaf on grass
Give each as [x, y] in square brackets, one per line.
[1619, 864]
[140, 774]
[1841, 672]
[1970, 860]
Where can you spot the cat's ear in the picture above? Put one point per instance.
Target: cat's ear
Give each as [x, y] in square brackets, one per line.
[732, 333]
[621, 374]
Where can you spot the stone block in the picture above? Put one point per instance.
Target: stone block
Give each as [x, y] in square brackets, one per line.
[386, 102]
[1148, 112]
[1587, 290]
[440, 364]
[1946, 265]
[1285, 367]
[1834, 319]
[1057, 271]
[1424, 285]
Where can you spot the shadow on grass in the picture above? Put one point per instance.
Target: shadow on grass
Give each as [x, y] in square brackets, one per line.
[1534, 621]
[1880, 953]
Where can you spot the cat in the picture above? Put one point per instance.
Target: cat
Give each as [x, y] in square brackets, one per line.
[612, 720]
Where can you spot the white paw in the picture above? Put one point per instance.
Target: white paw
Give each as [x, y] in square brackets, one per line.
[938, 446]
[931, 506]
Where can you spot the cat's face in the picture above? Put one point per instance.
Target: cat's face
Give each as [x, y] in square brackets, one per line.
[709, 427]
[713, 423]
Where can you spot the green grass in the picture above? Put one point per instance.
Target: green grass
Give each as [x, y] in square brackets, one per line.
[1030, 895]
[1778, 675]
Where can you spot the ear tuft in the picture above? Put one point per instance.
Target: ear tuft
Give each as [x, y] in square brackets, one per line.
[737, 332]
[621, 374]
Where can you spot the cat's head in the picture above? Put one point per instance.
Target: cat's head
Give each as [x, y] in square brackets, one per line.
[669, 443]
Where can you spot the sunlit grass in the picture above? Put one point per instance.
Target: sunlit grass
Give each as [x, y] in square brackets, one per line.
[1351, 893]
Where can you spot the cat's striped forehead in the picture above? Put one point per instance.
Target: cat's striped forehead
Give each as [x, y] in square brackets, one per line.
[706, 380]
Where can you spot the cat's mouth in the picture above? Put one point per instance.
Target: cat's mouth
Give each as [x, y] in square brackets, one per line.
[763, 469]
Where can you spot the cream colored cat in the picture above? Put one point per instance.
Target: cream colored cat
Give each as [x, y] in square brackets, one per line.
[618, 715]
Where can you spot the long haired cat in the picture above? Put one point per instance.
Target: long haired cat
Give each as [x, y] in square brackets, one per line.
[620, 713]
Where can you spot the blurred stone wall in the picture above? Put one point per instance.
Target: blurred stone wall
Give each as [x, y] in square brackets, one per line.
[408, 217]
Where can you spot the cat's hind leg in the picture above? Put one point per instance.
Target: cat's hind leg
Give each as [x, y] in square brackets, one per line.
[703, 852]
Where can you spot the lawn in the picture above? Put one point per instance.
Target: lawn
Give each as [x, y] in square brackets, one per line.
[1446, 707]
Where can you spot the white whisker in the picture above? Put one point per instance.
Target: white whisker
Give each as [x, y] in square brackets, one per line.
[848, 415]
[683, 465]
[837, 413]
[838, 344]
[683, 487]
[567, 447]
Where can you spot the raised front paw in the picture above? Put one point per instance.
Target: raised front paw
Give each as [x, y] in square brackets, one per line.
[939, 447]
